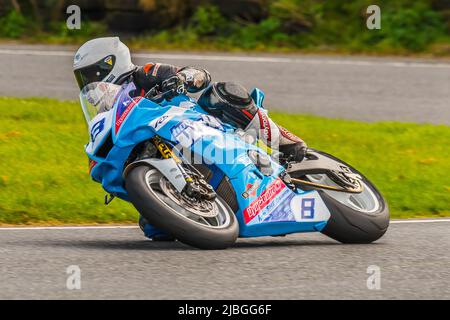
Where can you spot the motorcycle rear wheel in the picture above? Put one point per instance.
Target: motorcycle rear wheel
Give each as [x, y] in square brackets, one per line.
[354, 218]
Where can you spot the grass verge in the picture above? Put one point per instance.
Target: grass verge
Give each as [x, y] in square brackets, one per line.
[44, 179]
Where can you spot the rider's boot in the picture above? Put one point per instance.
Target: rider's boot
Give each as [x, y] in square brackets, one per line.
[277, 137]
[291, 145]
[153, 233]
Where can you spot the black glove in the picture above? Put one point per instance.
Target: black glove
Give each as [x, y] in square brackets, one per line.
[174, 86]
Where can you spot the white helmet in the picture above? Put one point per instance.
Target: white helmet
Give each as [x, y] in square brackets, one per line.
[102, 59]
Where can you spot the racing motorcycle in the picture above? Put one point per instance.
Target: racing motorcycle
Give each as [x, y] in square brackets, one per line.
[207, 183]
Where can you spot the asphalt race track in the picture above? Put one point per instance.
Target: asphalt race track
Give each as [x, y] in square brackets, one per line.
[368, 89]
[119, 263]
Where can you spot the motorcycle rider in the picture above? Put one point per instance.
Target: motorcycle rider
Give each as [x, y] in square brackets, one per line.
[109, 60]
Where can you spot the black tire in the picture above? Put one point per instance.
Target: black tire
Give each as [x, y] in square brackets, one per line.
[348, 225]
[165, 218]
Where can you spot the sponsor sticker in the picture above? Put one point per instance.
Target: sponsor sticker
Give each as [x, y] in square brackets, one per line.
[187, 132]
[97, 128]
[186, 105]
[265, 126]
[160, 122]
[126, 112]
[108, 60]
[266, 197]
[309, 207]
[211, 121]
[250, 190]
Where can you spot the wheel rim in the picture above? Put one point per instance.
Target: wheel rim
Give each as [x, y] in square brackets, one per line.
[157, 184]
[366, 201]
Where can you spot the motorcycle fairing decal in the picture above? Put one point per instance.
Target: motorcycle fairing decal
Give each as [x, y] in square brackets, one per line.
[280, 204]
[187, 132]
[267, 197]
[251, 189]
[309, 207]
[279, 209]
[160, 122]
[129, 106]
[211, 121]
[244, 159]
[186, 105]
[99, 128]
[124, 98]
[184, 133]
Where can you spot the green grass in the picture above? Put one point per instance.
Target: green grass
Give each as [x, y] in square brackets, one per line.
[44, 171]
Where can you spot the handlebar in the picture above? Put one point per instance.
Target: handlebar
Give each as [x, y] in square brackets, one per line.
[154, 95]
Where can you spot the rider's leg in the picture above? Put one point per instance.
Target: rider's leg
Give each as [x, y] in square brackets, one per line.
[276, 136]
[232, 104]
[152, 232]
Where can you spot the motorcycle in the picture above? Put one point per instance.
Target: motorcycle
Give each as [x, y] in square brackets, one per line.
[207, 183]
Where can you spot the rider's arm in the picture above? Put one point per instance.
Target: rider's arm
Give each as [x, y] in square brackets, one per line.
[153, 74]
[148, 76]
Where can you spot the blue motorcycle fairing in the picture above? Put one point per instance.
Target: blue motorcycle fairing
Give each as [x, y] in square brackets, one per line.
[266, 206]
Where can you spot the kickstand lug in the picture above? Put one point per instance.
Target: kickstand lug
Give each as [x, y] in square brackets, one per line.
[109, 198]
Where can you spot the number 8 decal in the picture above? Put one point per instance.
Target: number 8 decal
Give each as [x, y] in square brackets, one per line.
[308, 208]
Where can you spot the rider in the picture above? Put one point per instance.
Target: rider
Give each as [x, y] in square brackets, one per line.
[109, 60]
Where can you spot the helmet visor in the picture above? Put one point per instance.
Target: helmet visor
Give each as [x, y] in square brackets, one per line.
[95, 72]
[98, 97]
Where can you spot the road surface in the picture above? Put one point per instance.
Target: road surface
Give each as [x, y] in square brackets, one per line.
[368, 89]
[115, 263]
[118, 263]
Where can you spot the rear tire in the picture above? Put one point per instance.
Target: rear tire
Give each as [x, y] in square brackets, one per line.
[348, 225]
[161, 215]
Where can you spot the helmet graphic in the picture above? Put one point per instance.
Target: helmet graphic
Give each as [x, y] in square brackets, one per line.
[102, 59]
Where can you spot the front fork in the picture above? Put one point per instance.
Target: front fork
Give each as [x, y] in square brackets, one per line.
[167, 153]
[196, 188]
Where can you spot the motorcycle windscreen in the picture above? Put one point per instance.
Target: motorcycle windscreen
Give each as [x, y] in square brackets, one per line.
[98, 97]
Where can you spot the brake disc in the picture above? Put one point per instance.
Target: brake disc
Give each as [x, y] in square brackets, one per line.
[200, 207]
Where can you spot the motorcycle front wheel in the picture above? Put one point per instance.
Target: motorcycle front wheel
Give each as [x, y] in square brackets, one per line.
[201, 224]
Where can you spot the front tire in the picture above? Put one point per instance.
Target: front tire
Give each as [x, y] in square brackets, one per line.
[160, 209]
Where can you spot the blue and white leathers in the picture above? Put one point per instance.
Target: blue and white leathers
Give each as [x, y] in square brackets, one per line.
[266, 206]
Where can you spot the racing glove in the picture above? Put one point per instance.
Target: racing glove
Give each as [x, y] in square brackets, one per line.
[175, 84]
[195, 79]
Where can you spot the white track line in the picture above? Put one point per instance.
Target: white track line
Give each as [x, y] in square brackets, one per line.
[136, 227]
[68, 228]
[232, 58]
[420, 220]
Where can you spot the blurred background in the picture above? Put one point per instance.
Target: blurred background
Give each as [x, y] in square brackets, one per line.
[379, 99]
[408, 27]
